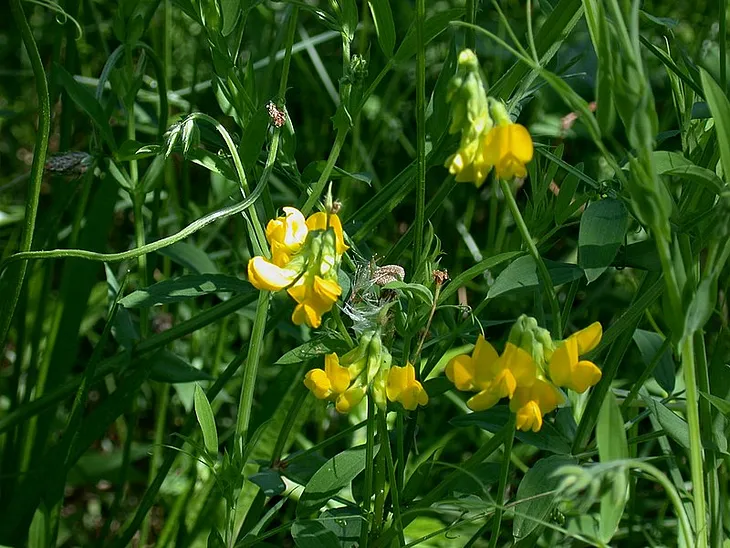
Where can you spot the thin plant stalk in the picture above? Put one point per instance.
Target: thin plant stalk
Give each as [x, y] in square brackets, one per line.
[545, 280]
[503, 475]
[420, 221]
[15, 278]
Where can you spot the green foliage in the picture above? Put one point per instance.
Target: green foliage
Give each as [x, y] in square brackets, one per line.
[178, 131]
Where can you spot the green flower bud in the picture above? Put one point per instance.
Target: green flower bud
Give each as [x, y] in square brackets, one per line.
[535, 340]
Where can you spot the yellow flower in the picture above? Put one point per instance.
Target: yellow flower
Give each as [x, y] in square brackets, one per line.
[566, 367]
[403, 387]
[305, 255]
[319, 221]
[469, 164]
[349, 399]
[493, 377]
[508, 148]
[332, 381]
[286, 235]
[531, 403]
[315, 296]
[265, 275]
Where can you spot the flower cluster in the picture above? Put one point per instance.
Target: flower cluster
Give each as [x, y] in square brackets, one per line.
[489, 138]
[365, 369]
[530, 371]
[305, 256]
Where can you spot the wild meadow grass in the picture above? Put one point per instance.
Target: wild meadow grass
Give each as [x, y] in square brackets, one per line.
[364, 274]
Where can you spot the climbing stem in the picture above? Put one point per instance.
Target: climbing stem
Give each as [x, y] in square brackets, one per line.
[542, 271]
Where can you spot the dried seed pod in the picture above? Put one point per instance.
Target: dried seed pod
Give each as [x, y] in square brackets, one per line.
[73, 164]
[277, 115]
[390, 273]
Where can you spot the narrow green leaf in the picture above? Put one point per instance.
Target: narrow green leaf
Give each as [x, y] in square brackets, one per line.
[602, 231]
[318, 346]
[649, 344]
[204, 412]
[191, 257]
[326, 482]
[231, 12]
[479, 269]
[185, 287]
[535, 490]
[720, 108]
[170, 368]
[521, 274]
[432, 27]
[675, 426]
[612, 445]
[86, 102]
[384, 25]
[417, 290]
[38, 533]
[723, 406]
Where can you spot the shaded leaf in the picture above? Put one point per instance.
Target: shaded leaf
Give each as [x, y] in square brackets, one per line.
[675, 426]
[494, 419]
[311, 533]
[384, 25]
[539, 480]
[171, 368]
[649, 344]
[612, 445]
[191, 257]
[185, 287]
[522, 274]
[602, 231]
[326, 482]
[204, 412]
[319, 346]
[269, 481]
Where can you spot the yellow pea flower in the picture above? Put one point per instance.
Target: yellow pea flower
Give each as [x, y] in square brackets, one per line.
[508, 148]
[305, 254]
[330, 382]
[403, 387]
[530, 404]
[349, 399]
[567, 369]
[265, 275]
[493, 377]
[315, 296]
[322, 221]
[286, 235]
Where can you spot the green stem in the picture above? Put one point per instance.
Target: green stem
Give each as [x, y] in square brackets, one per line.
[723, 44]
[684, 525]
[192, 228]
[695, 441]
[318, 187]
[471, 17]
[392, 477]
[545, 280]
[367, 490]
[707, 420]
[36, 171]
[418, 251]
[503, 475]
[250, 372]
[294, 410]
[258, 238]
[380, 471]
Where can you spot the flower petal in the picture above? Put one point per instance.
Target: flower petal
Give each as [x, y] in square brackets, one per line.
[460, 371]
[588, 338]
[349, 399]
[483, 400]
[339, 376]
[520, 363]
[562, 362]
[396, 383]
[318, 382]
[529, 417]
[585, 375]
[267, 276]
